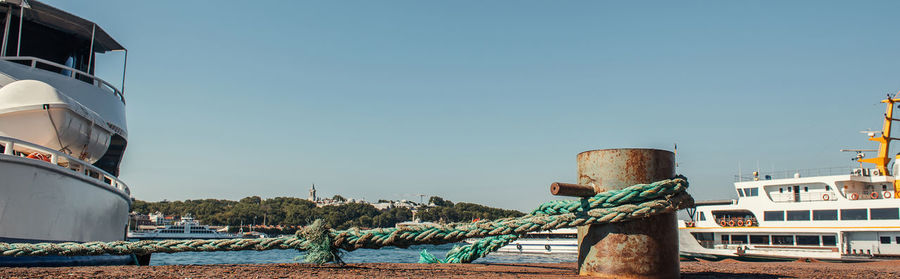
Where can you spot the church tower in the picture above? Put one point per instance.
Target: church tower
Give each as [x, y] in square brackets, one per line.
[312, 193]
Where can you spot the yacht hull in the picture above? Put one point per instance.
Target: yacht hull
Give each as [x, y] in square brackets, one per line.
[41, 202]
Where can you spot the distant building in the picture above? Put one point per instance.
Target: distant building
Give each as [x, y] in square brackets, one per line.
[312, 193]
[138, 219]
[159, 219]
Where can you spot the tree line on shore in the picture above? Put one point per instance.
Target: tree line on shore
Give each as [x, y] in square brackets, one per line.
[289, 212]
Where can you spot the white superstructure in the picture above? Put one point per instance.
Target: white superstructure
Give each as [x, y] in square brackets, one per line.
[831, 214]
[62, 133]
[186, 228]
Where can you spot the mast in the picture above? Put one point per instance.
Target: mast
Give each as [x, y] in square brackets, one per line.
[884, 141]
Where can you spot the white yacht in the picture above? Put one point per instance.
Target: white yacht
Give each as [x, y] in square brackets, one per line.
[831, 214]
[560, 241]
[62, 134]
[186, 228]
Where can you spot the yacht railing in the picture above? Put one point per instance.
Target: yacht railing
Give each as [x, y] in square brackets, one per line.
[792, 173]
[33, 62]
[19, 148]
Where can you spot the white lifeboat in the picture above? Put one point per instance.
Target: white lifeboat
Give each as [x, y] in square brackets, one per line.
[37, 112]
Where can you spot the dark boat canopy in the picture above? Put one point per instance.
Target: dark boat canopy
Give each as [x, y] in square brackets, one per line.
[44, 14]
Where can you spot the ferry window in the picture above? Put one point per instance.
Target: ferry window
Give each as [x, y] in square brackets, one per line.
[702, 217]
[885, 240]
[783, 239]
[885, 213]
[759, 239]
[789, 189]
[740, 192]
[725, 238]
[829, 240]
[739, 239]
[780, 190]
[854, 214]
[898, 240]
[805, 189]
[754, 192]
[773, 215]
[884, 188]
[798, 215]
[827, 188]
[808, 240]
[825, 215]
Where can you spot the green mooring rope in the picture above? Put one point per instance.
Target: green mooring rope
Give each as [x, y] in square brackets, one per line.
[322, 244]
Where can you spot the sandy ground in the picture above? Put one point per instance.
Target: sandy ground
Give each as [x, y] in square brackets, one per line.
[724, 269]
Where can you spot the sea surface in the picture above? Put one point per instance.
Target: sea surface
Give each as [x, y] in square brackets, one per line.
[384, 255]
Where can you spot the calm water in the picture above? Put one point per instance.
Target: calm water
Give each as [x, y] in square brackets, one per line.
[385, 255]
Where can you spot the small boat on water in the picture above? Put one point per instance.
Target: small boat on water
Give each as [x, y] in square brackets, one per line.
[560, 241]
[835, 214]
[186, 228]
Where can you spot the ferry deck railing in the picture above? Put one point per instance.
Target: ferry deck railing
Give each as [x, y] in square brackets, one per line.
[803, 197]
[790, 173]
[719, 244]
[19, 148]
[73, 73]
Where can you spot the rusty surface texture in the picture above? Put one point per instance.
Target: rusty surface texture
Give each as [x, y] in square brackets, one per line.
[637, 249]
[571, 190]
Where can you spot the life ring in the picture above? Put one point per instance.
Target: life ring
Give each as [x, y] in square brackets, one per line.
[722, 223]
[874, 195]
[854, 196]
[519, 246]
[886, 194]
[749, 223]
[826, 197]
[547, 247]
[740, 223]
[731, 223]
[38, 156]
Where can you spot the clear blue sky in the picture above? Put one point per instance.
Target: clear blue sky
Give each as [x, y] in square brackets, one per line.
[485, 101]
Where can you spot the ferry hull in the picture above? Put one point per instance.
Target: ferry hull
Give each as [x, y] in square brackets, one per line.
[41, 202]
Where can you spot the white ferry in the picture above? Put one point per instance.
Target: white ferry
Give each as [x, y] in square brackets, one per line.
[560, 241]
[826, 214]
[62, 134]
[186, 228]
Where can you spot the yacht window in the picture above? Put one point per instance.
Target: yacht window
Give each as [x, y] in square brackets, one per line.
[754, 192]
[780, 190]
[854, 214]
[789, 189]
[808, 240]
[740, 192]
[783, 239]
[725, 239]
[898, 239]
[885, 240]
[759, 239]
[825, 215]
[884, 187]
[829, 240]
[702, 216]
[827, 188]
[798, 215]
[885, 213]
[773, 215]
[805, 189]
[739, 239]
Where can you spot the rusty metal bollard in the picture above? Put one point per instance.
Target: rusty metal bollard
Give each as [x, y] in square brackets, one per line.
[645, 248]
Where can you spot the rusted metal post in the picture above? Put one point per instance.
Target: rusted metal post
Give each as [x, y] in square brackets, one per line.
[646, 248]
